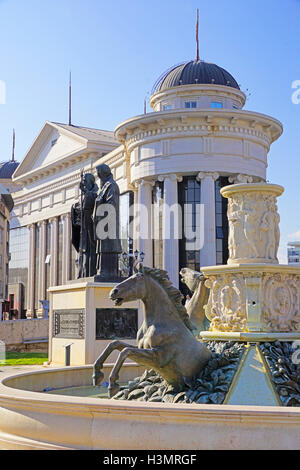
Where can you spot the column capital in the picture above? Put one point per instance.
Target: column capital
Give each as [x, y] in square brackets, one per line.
[144, 182]
[171, 177]
[207, 174]
[240, 178]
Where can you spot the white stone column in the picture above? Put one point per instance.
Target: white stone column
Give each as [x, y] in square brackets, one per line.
[31, 272]
[42, 266]
[171, 229]
[54, 252]
[145, 242]
[208, 251]
[66, 261]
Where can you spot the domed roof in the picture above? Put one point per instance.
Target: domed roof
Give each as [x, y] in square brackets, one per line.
[195, 72]
[7, 169]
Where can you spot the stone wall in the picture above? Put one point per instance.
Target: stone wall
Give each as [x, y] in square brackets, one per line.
[24, 335]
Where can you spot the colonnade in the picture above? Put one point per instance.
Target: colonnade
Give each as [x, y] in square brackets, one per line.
[37, 284]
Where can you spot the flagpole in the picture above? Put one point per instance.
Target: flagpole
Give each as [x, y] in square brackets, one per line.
[197, 35]
[70, 99]
[13, 146]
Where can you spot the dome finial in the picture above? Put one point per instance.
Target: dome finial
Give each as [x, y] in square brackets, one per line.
[197, 35]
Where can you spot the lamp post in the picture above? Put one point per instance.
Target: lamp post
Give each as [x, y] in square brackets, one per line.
[128, 258]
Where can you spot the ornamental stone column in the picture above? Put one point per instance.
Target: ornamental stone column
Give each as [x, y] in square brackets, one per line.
[54, 252]
[171, 226]
[31, 272]
[66, 255]
[42, 266]
[208, 250]
[145, 242]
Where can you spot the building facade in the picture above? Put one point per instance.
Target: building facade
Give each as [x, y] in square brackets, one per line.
[6, 205]
[197, 139]
[294, 253]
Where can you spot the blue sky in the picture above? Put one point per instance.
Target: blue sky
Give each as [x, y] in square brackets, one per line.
[117, 49]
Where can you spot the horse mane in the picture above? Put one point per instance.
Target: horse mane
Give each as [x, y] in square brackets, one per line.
[174, 294]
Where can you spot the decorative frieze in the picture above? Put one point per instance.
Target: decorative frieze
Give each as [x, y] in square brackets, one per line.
[253, 222]
[260, 300]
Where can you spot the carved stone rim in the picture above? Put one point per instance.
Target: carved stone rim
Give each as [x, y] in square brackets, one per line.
[251, 268]
[274, 189]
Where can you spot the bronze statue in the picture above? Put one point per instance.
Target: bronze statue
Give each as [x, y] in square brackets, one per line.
[195, 282]
[83, 238]
[107, 226]
[165, 340]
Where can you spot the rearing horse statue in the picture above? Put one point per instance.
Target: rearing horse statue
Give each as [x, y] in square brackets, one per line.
[165, 340]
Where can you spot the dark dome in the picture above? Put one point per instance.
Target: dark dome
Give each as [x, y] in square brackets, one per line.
[7, 169]
[195, 72]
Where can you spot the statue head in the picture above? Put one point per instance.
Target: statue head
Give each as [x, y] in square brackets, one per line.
[89, 180]
[104, 172]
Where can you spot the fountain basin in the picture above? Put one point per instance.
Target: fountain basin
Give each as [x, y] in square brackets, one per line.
[31, 419]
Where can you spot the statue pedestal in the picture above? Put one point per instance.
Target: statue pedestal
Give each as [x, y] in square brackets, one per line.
[255, 300]
[83, 318]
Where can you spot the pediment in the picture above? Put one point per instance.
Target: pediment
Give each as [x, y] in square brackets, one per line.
[52, 145]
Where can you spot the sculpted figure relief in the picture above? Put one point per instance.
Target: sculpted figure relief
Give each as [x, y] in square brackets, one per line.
[253, 227]
[226, 307]
[281, 302]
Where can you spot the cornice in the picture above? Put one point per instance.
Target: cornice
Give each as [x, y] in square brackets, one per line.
[64, 182]
[199, 122]
[46, 189]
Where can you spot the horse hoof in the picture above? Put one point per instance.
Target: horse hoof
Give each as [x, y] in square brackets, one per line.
[97, 378]
[113, 390]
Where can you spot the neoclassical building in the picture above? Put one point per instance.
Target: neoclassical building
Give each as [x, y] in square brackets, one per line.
[197, 139]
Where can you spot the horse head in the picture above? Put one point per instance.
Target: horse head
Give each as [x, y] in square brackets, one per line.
[191, 278]
[131, 289]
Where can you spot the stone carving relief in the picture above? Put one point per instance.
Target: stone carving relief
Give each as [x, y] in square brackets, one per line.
[253, 227]
[226, 308]
[281, 303]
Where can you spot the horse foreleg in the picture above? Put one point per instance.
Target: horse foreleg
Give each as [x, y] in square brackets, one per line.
[98, 364]
[144, 357]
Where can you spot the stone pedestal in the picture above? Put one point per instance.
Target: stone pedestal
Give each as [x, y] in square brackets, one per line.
[255, 300]
[81, 315]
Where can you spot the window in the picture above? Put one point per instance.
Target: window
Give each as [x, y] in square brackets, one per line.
[19, 263]
[215, 104]
[189, 197]
[221, 222]
[167, 107]
[190, 104]
[235, 107]
[53, 142]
